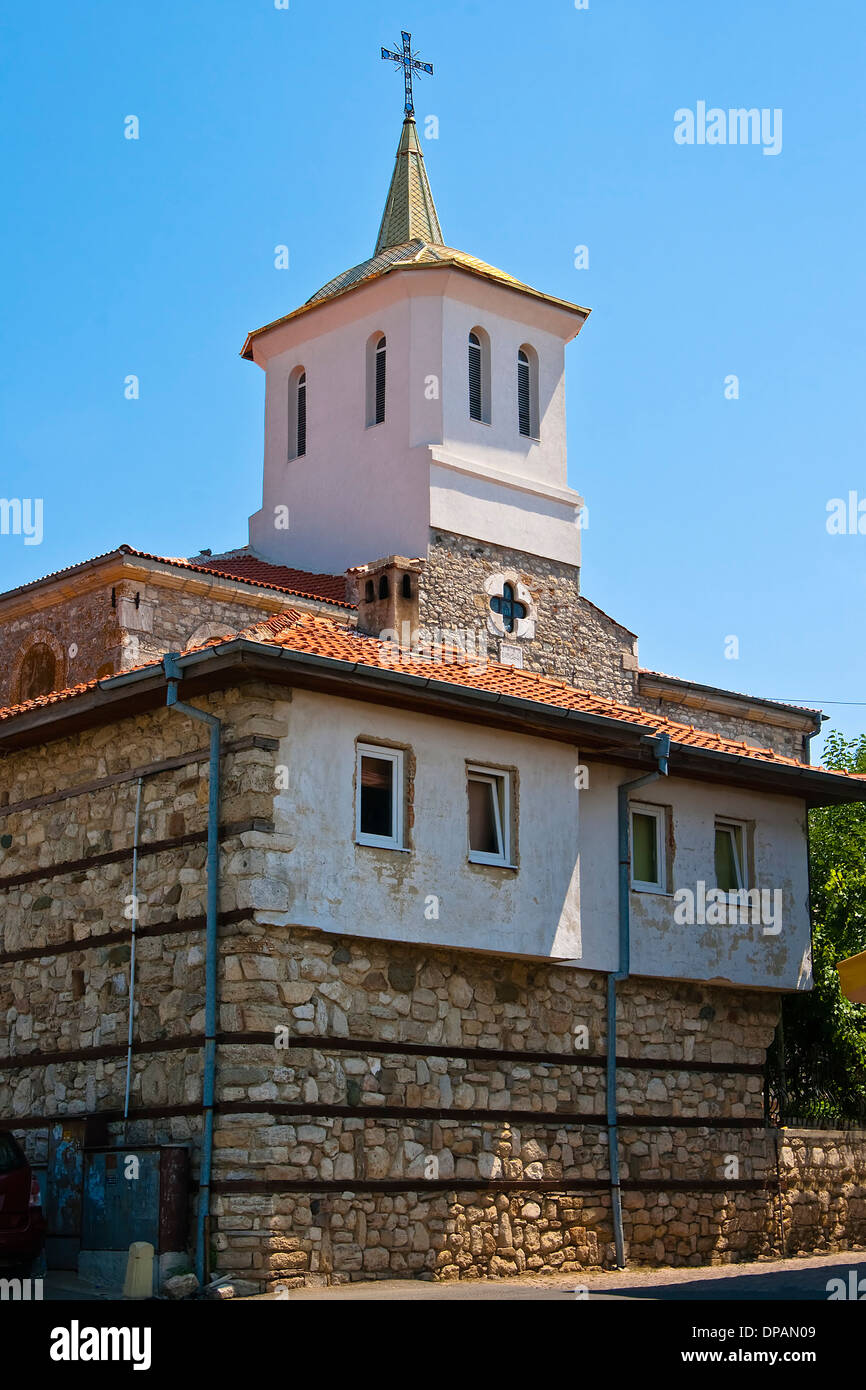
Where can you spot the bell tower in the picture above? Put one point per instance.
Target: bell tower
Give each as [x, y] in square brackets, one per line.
[421, 391]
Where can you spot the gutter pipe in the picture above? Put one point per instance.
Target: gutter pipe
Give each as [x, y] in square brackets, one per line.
[662, 744]
[134, 906]
[173, 675]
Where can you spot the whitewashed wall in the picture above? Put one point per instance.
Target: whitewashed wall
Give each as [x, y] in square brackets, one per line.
[362, 492]
[339, 886]
[729, 954]
[561, 903]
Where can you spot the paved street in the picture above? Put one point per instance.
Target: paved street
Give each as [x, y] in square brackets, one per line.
[794, 1280]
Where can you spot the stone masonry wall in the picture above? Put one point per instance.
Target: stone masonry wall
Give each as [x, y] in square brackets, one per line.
[574, 640]
[63, 971]
[787, 741]
[167, 619]
[381, 1109]
[91, 635]
[83, 632]
[823, 1182]
[471, 1123]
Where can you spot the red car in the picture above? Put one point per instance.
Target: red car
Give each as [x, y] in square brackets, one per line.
[22, 1225]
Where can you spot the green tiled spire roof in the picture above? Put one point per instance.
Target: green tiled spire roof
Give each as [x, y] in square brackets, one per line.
[410, 213]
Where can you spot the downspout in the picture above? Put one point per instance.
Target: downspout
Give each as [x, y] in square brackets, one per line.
[173, 676]
[662, 751]
[134, 906]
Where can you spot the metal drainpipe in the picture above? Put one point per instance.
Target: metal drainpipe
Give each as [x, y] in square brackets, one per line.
[662, 751]
[132, 949]
[173, 675]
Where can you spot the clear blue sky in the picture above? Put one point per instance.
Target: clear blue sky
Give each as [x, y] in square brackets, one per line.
[262, 126]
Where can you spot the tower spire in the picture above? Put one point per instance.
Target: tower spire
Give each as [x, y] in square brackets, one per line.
[410, 212]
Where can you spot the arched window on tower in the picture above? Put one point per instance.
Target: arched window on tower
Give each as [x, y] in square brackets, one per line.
[376, 378]
[384, 587]
[479, 376]
[527, 391]
[297, 413]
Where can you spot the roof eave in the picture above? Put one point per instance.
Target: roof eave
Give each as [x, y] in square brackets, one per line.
[801, 716]
[577, 310]
[601, 736]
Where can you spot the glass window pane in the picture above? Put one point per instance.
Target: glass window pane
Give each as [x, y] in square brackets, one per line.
[645, 864]
[728, 857]
[377, 796]
[482, 818]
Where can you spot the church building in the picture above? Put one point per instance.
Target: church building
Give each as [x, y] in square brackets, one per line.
[359, 881]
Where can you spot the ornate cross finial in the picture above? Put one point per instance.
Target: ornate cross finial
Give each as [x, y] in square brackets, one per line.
[408, 61]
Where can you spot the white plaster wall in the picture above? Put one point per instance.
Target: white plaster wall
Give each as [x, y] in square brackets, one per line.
[338, 886]
[503, 510]
[361, 492]
[736, 954]
[561, 903]
[500, 444]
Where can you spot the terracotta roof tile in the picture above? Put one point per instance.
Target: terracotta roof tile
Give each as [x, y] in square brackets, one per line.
[252, 570]
[247, 569]
[318, 635]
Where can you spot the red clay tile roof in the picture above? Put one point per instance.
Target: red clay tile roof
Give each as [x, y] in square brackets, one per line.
[252, 570]
[319, 635]
[247, 569]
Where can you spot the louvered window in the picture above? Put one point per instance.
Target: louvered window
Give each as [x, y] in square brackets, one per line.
[380, 382]
[524, 394]
[474, 377]
[302, 416]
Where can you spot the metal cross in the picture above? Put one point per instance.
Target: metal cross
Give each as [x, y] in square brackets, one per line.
[508, 608]
[409, 63]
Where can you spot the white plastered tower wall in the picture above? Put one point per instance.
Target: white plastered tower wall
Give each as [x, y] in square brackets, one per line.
[362, 490]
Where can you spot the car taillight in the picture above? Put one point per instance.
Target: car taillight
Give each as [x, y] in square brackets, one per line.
[35, 1198]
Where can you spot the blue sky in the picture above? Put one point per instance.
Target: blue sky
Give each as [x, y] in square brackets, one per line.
[261, 126]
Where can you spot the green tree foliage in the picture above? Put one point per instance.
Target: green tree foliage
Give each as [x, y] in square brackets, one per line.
[824, 1033]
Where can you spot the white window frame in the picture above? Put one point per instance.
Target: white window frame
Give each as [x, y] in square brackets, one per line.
[395, 757]
[495, 777]
[740, 859]
[659, 815]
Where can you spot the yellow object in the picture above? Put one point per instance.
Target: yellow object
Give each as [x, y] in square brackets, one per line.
[852, 977]
[139, 1271]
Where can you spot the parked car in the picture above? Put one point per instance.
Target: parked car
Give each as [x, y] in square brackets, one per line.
[22, 1224]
